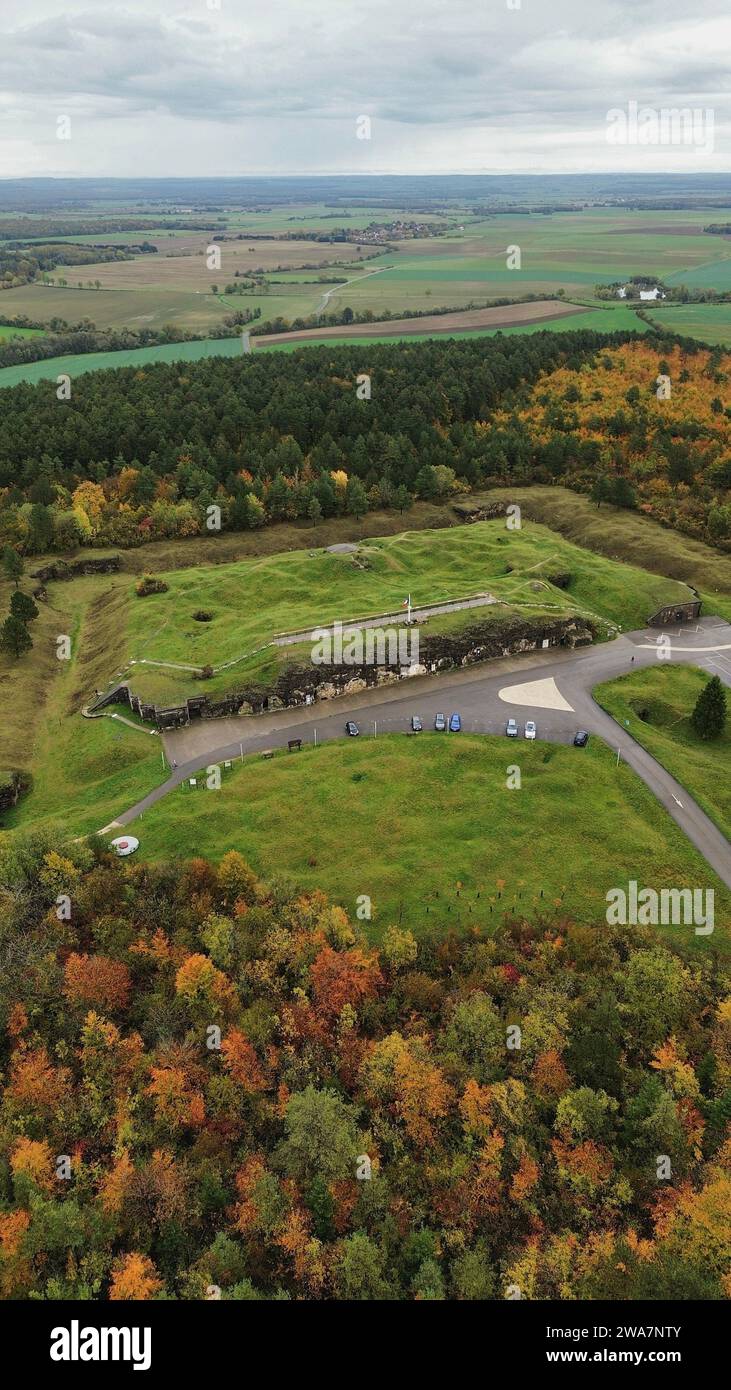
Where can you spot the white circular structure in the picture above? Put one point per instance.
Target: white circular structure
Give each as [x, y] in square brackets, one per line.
[125, 844]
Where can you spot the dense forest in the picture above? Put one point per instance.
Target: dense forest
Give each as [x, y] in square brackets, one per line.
[143, 453]
[660, 420]
[216, 1086]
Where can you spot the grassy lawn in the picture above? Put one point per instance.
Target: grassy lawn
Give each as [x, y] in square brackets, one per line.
[86, 772]
[657, 704]
[413, 821]
[250, 601]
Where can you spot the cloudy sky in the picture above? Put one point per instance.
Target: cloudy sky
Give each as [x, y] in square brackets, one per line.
[216, 87]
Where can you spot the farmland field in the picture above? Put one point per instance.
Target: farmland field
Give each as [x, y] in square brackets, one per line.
[605, 319]
[151, 307]
[135, 357]
[429, 324]
[464, 267]
[711, 323]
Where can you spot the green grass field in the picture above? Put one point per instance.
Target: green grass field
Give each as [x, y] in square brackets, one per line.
[136, 357]
[42, 729]
[710, 323]
[657, 704]
[6, 331]
[422, 825]
[252, 600]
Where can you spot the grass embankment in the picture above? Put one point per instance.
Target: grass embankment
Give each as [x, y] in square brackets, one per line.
[412, 822]
[250, 601]
[630, 537]
[83, 771]
[657, 704]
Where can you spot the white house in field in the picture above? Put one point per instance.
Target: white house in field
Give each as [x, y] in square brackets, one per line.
[654, 293]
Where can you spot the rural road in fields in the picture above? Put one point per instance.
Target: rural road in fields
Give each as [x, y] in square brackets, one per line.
[337, 289]
[558, 697]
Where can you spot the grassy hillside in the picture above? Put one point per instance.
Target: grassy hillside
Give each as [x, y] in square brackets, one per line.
[422, 825]
[628, 536]
[657, 705]
[250, 601]
[82, 770]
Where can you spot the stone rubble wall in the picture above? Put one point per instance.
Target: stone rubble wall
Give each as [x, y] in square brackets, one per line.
[304, 685]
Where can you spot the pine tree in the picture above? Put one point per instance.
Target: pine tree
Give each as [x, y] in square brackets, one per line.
[709, 716]
[23, 606]
[15, 637]
[12, 564]
[355, 496]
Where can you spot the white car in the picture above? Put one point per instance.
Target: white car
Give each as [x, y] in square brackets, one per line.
[530, 729]
[125, 844]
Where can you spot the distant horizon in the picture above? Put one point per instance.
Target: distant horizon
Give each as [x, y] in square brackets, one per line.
[598, 174]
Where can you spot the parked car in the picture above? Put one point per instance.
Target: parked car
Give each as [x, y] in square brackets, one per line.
[530, 728]
[581, 738]
[416, 724]
[440, 723]
[352, 729]
[455, 724]
[511, 729]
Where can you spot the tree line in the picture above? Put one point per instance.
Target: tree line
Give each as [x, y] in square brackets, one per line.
[138, 454]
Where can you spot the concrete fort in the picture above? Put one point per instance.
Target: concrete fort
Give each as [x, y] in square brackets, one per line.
[303, 685]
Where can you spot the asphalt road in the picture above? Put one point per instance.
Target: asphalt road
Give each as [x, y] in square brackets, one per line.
[475, 693]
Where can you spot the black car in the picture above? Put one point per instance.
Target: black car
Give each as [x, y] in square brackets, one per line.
[352, 729]
[416, 724]
[581, 739]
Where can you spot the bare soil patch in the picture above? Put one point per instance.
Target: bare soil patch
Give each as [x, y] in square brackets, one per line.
[461, 321]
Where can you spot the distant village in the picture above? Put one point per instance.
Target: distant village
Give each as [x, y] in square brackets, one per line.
[380, 233]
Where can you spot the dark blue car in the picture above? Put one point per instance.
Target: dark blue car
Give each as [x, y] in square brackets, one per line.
[455, 724]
